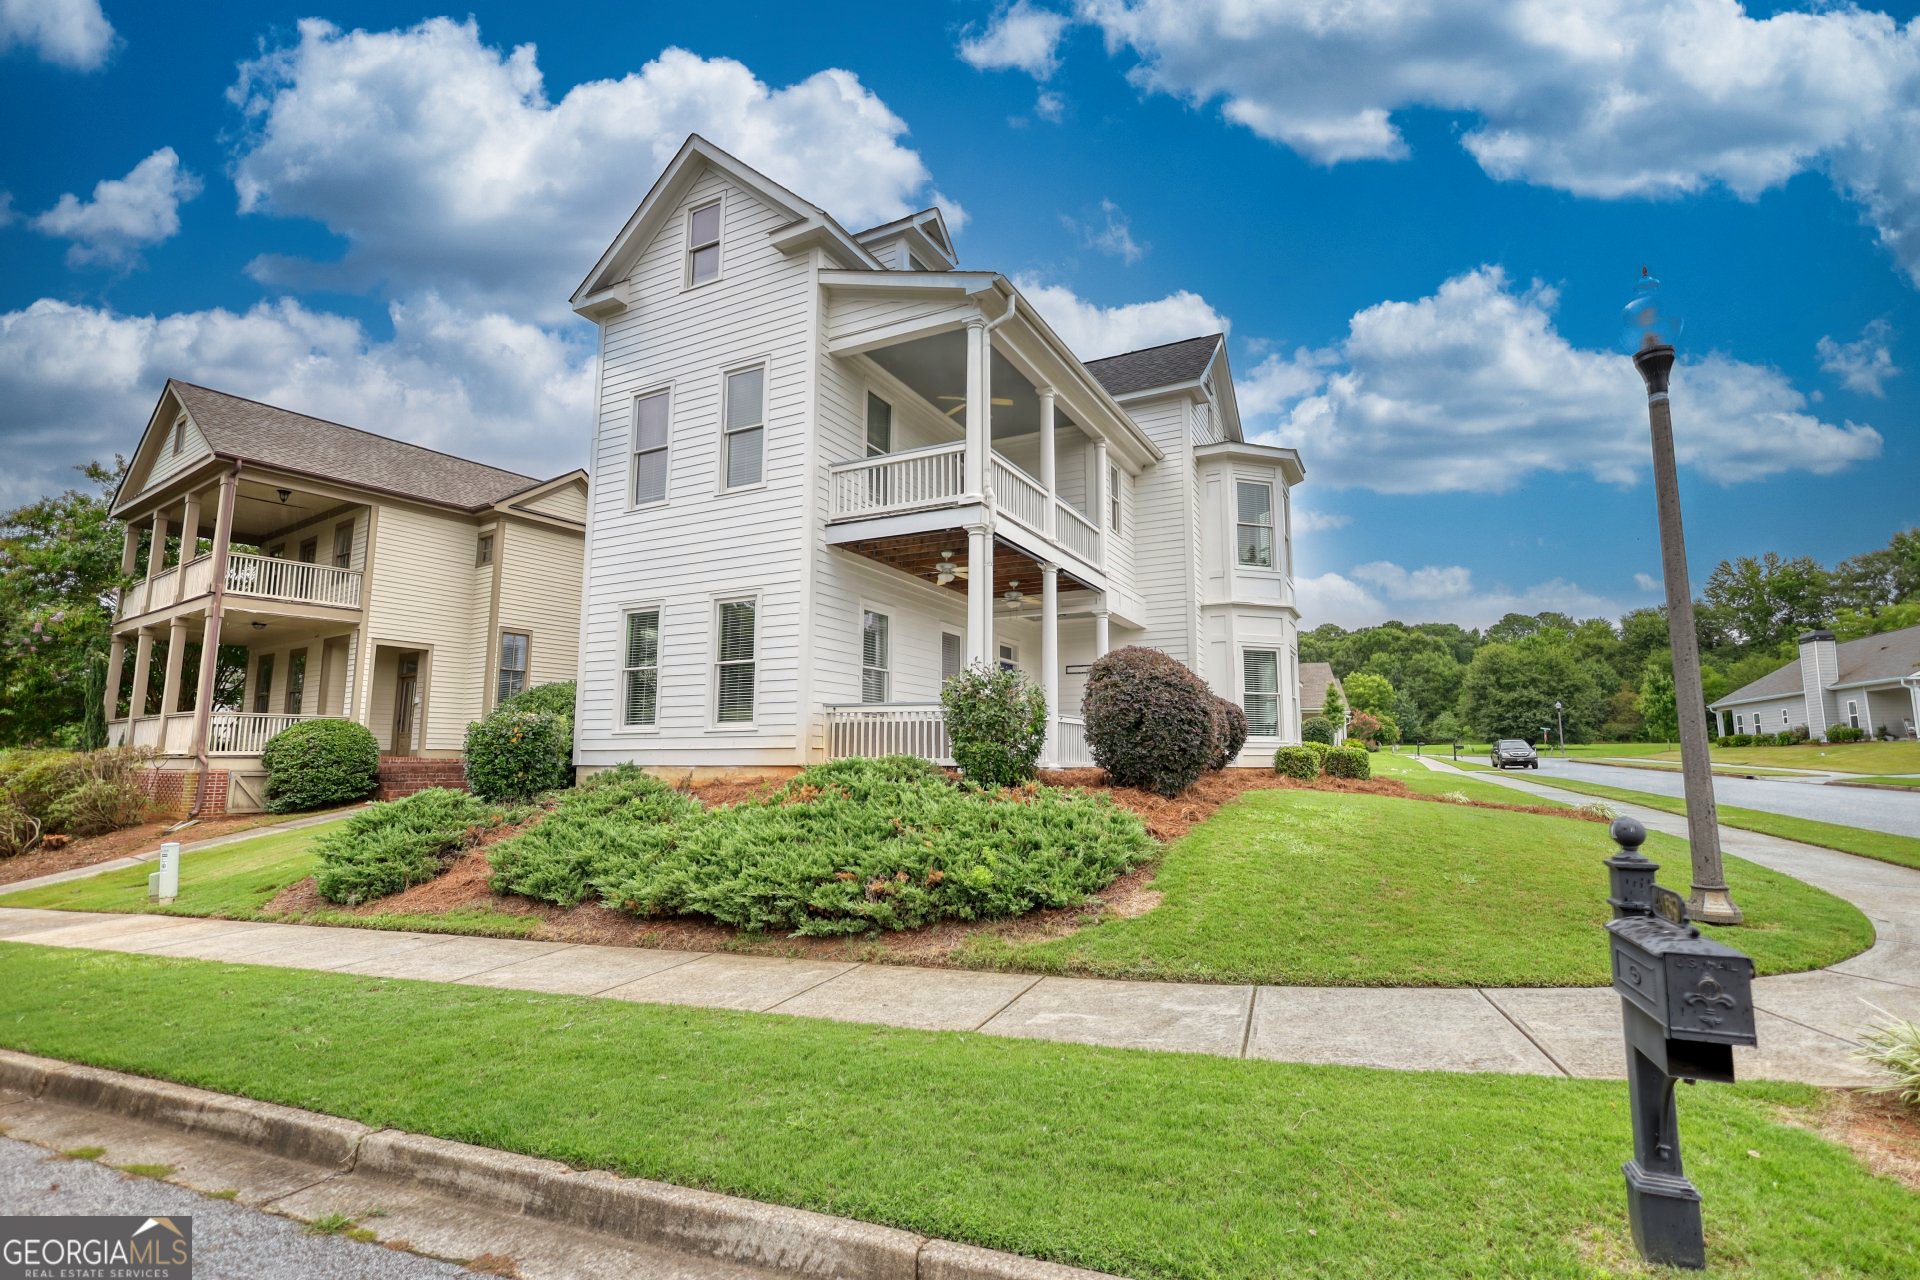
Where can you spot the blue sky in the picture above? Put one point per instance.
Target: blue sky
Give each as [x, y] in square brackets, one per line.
[1419, 232]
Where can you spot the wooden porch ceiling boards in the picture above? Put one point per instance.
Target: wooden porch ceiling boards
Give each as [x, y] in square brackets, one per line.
[919, 555]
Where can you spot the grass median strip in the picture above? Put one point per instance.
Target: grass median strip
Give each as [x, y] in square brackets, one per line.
[1154, 1165]
[1885, 847]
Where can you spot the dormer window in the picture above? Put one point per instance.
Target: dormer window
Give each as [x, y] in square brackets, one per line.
[703, 244]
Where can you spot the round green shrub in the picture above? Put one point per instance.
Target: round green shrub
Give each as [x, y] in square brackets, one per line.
[996, 723]
[1318, 729]
[555, 699]
[1229, 733]
[1349, 762]
[514, 754]
[312, 764]
[1297, 762]
[1149, 720]
[1320, 750]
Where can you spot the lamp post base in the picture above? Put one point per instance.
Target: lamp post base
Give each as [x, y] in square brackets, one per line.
[1713, 905]
[1664, 1210]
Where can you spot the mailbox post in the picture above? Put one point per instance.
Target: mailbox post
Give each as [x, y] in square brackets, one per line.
[1686, 1002]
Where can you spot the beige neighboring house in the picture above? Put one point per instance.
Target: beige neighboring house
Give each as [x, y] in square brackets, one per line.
[1315, 679]
[1869, 684]
[369, 579]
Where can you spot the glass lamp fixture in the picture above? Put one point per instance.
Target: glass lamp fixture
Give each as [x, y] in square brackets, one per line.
[1650, 319]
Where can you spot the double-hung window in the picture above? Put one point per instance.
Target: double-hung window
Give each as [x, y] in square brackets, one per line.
[703, 244]
[513, 666]
[1113, 498]
[875, 673]
[296, 681]
[1260, 670]
[309, 550]
[733, 677]
[263, 686]
[641, 705]
[483, 551]
[343, 545]
[1253, 502]
[745, 426]
[650, 432]
[1853, 714]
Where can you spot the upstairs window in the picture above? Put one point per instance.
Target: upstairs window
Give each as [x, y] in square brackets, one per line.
[343, 545]
[296, 681]
[875, 675]
[745, 426]
[1113, 498]
[309, 550]
[642, 669]
[179, 436]
[483, 551]
[1254, 503]
[513, 666]
[263, 686]
[879, 426]
[734, 663]
[1260, 669]
[650, 431]
[703, 244]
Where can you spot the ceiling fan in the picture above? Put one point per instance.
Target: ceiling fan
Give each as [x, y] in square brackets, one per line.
[963, 403]
[1013, 599]
[946, 571]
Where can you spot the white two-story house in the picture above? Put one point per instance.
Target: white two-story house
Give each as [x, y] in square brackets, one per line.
[831, 468]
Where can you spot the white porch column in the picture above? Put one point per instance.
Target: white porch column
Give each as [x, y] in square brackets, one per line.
[979, 416]
[1046, 459]
[1050, 653]
[1105, 499]
[156, 551]
[979, 594]
[1913, 696]
[116, 667]
[189, 543]
[216, 609]
[1101, 644]
[142, 675]
[176, 653]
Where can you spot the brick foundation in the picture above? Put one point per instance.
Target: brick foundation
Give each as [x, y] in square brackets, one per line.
[404, 775]
[171, 791]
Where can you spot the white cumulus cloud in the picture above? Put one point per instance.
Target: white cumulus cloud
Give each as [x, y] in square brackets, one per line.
[1864, 364]
[1472, 389]
[79, 381]
[1605, 98]
[125, 215]
[1647, 582]
[1111, 233]
[69, 33]
[1318, 521]
[1093, 331]
[1434, 594]
[1019, 37]
[444, 165]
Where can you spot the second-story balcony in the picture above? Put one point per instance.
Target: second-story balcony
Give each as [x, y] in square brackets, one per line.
[932, 478]
[264, 578]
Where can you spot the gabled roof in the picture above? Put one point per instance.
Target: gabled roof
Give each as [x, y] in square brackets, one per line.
[266, 435]
[1892, 655]
[1315, 678]
[928, 224]
[809, 220]
[1780, 683]
[1166, 365]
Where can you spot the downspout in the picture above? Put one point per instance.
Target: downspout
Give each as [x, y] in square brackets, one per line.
[216, 618]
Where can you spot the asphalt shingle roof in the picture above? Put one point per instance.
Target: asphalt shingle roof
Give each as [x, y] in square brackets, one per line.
[275, 437]
[1160, 366]
[1315, 677]
[1883, 657]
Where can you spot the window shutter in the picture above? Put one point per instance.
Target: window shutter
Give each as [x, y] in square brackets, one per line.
[951, 647]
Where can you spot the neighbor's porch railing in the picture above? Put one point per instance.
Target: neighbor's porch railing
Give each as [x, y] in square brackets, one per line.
[295, 580]
[246, 733]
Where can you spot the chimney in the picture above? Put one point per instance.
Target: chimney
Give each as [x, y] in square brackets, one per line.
[1819, 669]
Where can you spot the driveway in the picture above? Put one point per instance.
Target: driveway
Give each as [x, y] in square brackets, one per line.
[1889, 811]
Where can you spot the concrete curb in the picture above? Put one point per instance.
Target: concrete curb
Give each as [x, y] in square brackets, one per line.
[703, 1224]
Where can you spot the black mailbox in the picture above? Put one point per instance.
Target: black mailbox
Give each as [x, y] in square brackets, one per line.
[1686, 1001]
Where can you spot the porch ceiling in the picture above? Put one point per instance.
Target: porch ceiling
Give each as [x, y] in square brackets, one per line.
[919, 555]
[276, 630]
[935, 368]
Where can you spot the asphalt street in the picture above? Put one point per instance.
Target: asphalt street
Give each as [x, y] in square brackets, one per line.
[230, 1241]
[1889, 811]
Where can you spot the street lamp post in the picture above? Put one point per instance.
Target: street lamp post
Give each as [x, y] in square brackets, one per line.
[1650, 330]
[1560, 723]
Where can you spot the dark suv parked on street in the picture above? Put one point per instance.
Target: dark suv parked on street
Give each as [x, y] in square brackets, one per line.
[1515, 754]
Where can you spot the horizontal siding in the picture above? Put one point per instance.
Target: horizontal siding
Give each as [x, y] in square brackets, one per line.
[424, 594]
[166, 463]
[1163, 546]
[540, 597]
[566, 503]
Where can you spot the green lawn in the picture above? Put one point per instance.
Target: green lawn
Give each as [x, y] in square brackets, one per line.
[1841, 757]
[1891, 781]
[1317, 888]
[1904, 850]
[236, 881]
[1405, 768]
[1146, 1164]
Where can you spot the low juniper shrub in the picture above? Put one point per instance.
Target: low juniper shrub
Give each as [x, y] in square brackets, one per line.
[1297, 762]
[591, 827]
[1150, 720]
[409, 841]
[314, 764]
[997, 724]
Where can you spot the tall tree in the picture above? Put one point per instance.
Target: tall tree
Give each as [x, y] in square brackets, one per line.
[59, 567]
[1510, 689]
[1762, 602]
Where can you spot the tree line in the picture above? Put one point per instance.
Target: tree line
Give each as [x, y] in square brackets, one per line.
[1435, 681]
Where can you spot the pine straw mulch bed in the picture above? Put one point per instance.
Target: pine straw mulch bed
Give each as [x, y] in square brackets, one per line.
[463, 887]
[143, 838]
[1881, 1130]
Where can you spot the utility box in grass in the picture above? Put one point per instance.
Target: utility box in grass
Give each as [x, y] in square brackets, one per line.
[164, 885]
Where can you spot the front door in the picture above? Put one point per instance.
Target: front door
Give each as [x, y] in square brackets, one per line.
[406, 687]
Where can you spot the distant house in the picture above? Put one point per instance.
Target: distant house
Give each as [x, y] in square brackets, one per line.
[367, 578]
[1872, 683]
[1315, 679]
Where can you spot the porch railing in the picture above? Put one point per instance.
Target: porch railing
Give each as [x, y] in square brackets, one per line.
[246, 733]
[294, 580]
[896, 482]
[874, 729]
[1019, 495]
[1070, 749]
[198, 579]
[1077, 534]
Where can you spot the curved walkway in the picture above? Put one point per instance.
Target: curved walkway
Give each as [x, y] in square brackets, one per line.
[1806, 1025]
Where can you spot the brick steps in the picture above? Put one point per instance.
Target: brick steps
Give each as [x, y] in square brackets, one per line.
[404, 775]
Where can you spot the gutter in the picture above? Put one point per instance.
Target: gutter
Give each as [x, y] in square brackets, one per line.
[216, 618]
